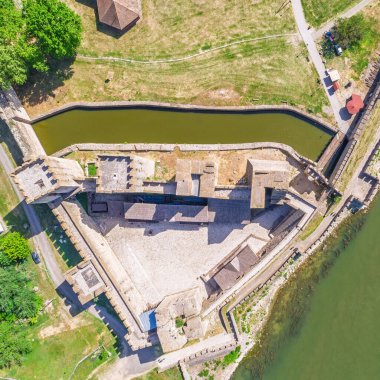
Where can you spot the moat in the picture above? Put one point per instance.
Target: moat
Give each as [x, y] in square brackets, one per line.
[167, 126]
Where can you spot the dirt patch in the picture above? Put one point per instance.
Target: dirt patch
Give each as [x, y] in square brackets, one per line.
[63, 322]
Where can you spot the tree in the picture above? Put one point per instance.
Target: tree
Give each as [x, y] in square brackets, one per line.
[349, 32]
[53, 27]
[14, 246]
[17, 299]
[13, 69]
[35, 38]
[14, 344]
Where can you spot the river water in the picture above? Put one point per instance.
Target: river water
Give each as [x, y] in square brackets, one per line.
[158, 126]
[340, 336]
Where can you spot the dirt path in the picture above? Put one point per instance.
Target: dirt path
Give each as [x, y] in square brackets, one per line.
[187, 57]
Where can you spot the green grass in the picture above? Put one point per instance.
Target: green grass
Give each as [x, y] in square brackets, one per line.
[55, 357]
[91, 169]
[179, 322]
[317, 12]
[360, 149]
[311, 226]
[10, 208]
[231, 357]
[170, 374]
[357, 58]
[260, 72]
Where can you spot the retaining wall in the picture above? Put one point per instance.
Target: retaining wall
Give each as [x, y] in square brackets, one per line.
[183, 148]
[356, 134]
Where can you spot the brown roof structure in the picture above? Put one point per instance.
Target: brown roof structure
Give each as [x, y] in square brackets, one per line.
[150, 212]
[236, 268]
[119, 13]
[195, 178]
[264, 174]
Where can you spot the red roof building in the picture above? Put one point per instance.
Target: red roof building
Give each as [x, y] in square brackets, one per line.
[355, 104]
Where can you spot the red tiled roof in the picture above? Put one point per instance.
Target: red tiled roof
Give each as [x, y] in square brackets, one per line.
[355, 104]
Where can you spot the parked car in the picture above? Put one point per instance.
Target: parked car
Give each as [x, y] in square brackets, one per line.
[36, 257]
[338, 49]
[330, 36]
[1, 229]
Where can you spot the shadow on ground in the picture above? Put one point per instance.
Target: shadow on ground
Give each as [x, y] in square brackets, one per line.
[41, 86]
[7, 137]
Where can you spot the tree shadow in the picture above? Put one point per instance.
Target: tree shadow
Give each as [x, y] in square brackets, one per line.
[103, 28]
[41, 86]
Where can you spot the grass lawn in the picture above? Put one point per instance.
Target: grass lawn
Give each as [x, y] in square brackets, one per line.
[171, 374]
[56, 356]
[10, 209]
[272, 71]
[354, 61]
[361, 149]
[317, 12]
[311, 226]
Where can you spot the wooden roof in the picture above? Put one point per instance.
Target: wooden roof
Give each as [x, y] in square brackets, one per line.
[118, 13]
[236, 268]
[149, 212]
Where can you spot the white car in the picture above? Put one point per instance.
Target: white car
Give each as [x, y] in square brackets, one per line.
[1, 228]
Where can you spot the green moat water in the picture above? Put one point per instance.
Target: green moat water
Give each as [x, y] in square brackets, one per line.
[158, 126]
[340, 335]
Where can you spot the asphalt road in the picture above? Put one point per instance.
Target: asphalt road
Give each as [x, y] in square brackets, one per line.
[349, 13]
[340, 114]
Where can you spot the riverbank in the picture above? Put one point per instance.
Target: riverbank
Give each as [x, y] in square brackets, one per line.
[292, 301]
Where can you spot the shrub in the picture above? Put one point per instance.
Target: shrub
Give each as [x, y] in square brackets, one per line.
[231, 357]
[17, 299]
[179, 322]
[14, 246]
[14, 344]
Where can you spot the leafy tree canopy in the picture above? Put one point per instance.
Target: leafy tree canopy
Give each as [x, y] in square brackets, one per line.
[35, 38]
[14, 246]
[13, 344]
[350, 32]
[54, 27]
[17, 299]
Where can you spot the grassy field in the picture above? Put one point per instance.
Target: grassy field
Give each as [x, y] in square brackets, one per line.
[56, 356]
[318, 12]
[355, 60]
[272, 71]
[311, 226]
[360, 149]
[170, 374]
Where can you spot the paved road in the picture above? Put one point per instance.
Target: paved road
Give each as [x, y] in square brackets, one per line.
[349, 13]
[339, 111]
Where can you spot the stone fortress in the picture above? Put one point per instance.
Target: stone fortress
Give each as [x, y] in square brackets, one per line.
[166, 253]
